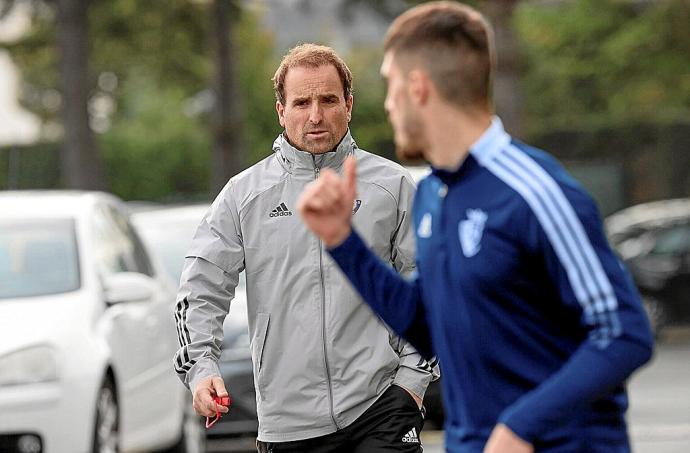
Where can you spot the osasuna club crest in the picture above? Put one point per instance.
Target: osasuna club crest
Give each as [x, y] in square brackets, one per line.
[470, 232]
[356, 205]
[424, 229]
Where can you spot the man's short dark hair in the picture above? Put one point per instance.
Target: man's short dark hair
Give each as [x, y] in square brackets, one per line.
[311, 56]
[453, 43]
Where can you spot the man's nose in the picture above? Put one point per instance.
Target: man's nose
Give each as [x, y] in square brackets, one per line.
[387, 104]
[316, 113]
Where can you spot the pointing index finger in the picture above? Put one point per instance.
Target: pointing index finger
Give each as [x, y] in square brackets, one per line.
[350, 177]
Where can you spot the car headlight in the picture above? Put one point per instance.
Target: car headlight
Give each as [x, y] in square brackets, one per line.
[28, 366]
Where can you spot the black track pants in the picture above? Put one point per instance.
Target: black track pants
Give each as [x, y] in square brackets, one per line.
[392, 424]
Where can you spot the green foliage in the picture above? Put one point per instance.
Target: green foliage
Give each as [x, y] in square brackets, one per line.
[257, 64]
[33, 166]
[160, 56]
[593, 63]
[369, 125]
[154, 151]
[589, 64]
[164, 39]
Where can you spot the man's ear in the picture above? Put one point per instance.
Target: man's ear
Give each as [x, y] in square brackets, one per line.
[349, 102]
[418, 86]
[281, 113]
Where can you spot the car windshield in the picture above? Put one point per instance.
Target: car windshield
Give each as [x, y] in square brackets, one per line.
[38, 258]
[169, 241]
[170, 244]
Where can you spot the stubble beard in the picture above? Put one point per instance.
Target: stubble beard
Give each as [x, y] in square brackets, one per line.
[330, 143]
[319, 146]
[409, 141]
[312, 146]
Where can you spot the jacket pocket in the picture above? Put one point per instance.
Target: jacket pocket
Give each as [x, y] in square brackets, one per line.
[259, 342]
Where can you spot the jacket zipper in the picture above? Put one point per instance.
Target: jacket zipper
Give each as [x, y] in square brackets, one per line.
[323, 316]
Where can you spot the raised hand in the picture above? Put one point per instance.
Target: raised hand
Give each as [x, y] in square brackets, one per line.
[326, 204]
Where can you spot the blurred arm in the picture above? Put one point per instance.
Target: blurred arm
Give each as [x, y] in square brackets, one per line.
[619, 339]
[207, 286]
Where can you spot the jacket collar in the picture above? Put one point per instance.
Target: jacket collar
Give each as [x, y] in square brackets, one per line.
[491, 142]
[295, 160]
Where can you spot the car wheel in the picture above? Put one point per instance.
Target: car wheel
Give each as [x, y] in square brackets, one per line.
[655, 312]
[105, 439]
[193, 436]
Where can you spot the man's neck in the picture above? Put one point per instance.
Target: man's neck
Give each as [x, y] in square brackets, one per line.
[451, 132]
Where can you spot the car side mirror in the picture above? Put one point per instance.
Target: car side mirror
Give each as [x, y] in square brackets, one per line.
[128, 287]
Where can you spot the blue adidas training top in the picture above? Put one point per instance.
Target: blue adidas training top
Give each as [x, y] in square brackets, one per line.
[534, 319]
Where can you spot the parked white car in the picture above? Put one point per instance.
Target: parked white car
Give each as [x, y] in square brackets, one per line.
[86, 332]
[167, 231]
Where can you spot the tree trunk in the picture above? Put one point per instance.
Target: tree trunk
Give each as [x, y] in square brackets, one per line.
[228, 153]
[82, 167]
[507, 92]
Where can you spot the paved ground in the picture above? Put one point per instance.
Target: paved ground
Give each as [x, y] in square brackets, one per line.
[659, 413]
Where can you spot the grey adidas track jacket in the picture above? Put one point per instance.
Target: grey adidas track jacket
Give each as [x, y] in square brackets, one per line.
[320, 355]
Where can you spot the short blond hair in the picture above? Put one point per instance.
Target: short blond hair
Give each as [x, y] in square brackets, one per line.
[454, 43]
[311, 56]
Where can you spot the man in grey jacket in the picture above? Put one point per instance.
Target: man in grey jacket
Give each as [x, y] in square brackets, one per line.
[329, 375]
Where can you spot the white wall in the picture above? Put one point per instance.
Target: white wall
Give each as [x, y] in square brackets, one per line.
[17, 126]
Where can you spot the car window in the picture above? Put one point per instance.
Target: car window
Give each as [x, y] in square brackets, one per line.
[143, 264]
[673, 241]
[38, 258]
[170, 240]
[118, 249]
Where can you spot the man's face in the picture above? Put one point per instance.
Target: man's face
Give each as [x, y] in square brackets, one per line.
[407, 125]
[316, 114]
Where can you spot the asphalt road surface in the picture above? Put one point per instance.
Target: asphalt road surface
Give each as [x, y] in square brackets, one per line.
[659, 415]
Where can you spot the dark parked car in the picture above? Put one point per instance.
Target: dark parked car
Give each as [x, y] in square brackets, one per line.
[653, 239]
[433, 403]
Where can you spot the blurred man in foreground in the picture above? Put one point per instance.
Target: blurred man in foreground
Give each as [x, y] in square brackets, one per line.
[535, 320]
[329, 375]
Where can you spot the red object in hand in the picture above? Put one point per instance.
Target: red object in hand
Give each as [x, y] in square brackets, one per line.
[222, 401]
